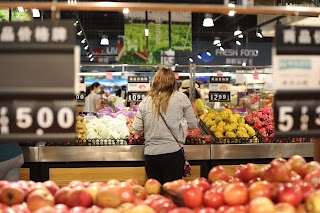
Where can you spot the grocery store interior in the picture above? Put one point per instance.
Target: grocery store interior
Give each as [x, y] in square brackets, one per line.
[225, 50]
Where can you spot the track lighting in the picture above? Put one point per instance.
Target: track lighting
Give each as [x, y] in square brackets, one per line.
[91, 59]
[76, 23]
[237, 32]
[208, 53]
[79, 33]
[221, 48]
[125, 11]
[199, 56]
[216, 41]
[208, 21]
[259, 33]
[146, 32]
[35, 13]
[240, 36]
[90, 55]
[104, 40]
[231, 13]
[83, 41]
[191, 59]
[20, 9]
[238, 42]
[86, 47]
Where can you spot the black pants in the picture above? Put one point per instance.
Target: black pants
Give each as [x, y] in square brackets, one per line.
[165, 167]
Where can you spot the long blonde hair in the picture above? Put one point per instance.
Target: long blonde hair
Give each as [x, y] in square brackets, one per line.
[163, 86]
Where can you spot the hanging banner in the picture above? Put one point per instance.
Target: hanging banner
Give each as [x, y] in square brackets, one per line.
[297, 81]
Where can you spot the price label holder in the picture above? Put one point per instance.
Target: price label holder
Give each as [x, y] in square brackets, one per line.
[39, 81]
[219, 89]
[297, 82]
[138, 88]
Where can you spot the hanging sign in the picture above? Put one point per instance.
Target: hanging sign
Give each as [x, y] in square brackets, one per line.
[219, 89]
[39, 81]
[138, 88]
[297, 81]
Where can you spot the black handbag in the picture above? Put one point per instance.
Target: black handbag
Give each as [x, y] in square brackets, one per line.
[187, 167]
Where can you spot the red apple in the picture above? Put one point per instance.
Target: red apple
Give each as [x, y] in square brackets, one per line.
[191, 195]
[213, 198]
[93, 190]
[220, 183]
[60, 208]
[140, 192]
[113, 182]
[108, 197]
[253, 181]
[290, 193]
[132, 182]
[236, 194]
[313, 202]
[223, 209]
[207, 138]
[279, 170]
[181, 210]
[285, 208]
[126, 193]
[313, 178]
[310, 167]
[61, 194]
[306, 189]
[45, 209]
[77, 209]
[237, 209]
[20, 208]
[261, 205]
[260, 189]
[11, 194]
[301, 208]
[142, 209]
[79, 196]
[175, 185]
[75, 183]
[295, 178]
[162, 205]
[110, 210]
[152, 186]
[205, 210]
[249, 172]
[51, 186]
[39, 198]
[125, 207]
[218, 173]
[201, 183]
[3, 183]
[297, 162]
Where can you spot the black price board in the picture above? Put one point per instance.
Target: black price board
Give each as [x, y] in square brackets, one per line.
[137, 79]
[136, 96]
[35, 119]
[81, 97]
[297, 115]
[220, 79]
[219, 96]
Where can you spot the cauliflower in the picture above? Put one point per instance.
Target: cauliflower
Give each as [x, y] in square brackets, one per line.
[218, 134]
[231, 135]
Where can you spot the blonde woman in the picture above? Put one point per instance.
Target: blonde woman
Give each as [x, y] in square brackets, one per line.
[163, 157]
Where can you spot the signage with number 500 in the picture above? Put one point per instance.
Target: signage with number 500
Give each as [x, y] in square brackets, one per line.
[286, 120]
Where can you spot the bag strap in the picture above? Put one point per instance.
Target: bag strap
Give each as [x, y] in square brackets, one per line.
[173, 135]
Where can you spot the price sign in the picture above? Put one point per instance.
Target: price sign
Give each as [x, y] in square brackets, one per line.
[27, 119]
[219, 96]
[219, 89]
[136, 96]
[81, 96]
[297, 82]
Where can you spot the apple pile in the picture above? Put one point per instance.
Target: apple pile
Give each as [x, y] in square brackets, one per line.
[195, 137]
[134, 138]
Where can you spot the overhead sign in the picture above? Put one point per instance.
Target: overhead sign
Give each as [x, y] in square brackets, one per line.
[138, 88]
[297, 81]
[39, 81]
[219, 89]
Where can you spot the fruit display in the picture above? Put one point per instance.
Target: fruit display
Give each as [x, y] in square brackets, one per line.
[262, 120]
[195, 137]
[81, 130]
[226, 125]
[282, 186]
[134, 138]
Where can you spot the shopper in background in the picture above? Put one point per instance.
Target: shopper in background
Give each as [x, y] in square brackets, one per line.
[164, 160]
[198, 104]
[93, 100]
[11, 159]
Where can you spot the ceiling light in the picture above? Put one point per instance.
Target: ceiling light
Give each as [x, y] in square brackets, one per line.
[83, 41]
[20, 9]
[208, 21]
[216, 41]
[191, 59]
[238, 42]
[237, 32]
[244, 64]
[104, 41]
[86, 47]
[76, 23]
[90, 55]
[208, 53]
[231, 5]
[79, 33]
[221, 48]
[91, 59]
[146, 32]
[259, 33]
[35, 13]
[240, 36]
[231, 13]
[219, 45]
[199, 56]
[125, 11]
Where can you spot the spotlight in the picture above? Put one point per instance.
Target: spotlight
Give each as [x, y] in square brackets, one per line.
[221, 48]
[259, 33]
[35, 13]
[208, 53]
[91, 59]
[86, 47]
[231, 5]
[76, 23]
[244, 64]
[219, 45]
[238, 42]
[231, 13]
[208, 21]
[20, 9]
[191, 59]
[237, 32]
[216, 41]
[146, 32]
[240, 36]
[83, 41]
[104, 40]
[125, 11]
[79, 33]
[90, 55]
[199, 56]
